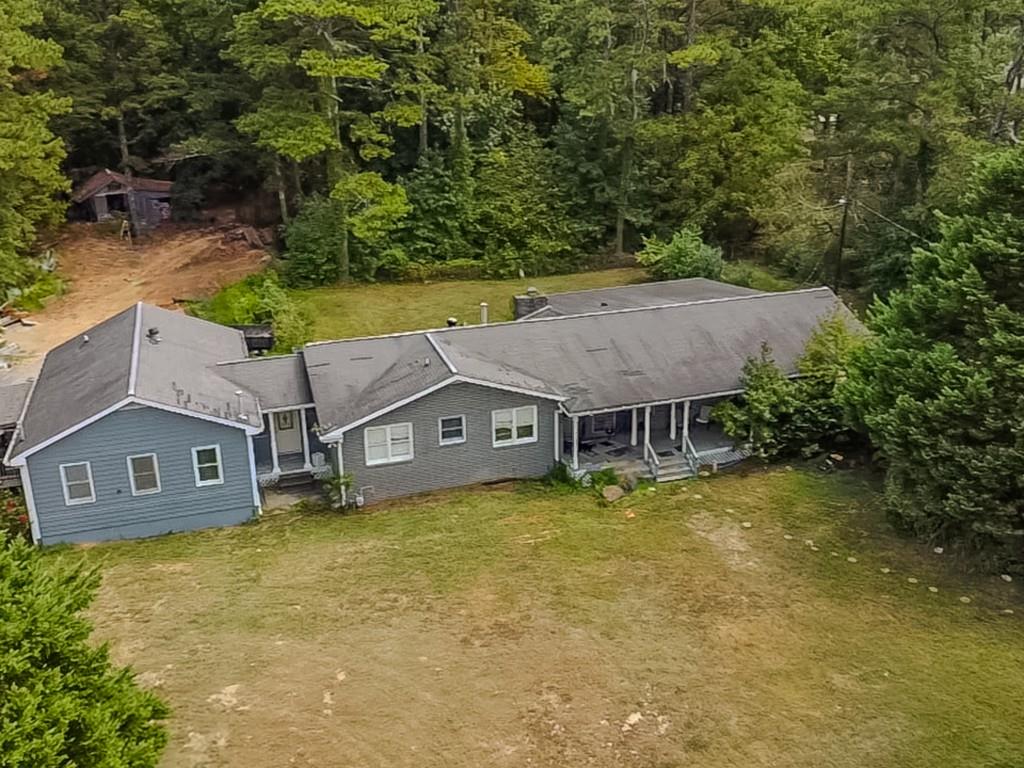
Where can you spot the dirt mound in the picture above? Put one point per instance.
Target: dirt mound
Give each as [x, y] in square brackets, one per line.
[106, 275]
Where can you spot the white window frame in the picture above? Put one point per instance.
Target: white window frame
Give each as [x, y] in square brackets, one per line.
[200, 483]
[68, 501]
[495, 442]
[441, 440]
[387, 441]
[131, 474]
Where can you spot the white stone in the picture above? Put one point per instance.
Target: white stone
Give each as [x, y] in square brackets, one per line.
[787, 537]
[933, 589]
[1006, 577]
[912, 580]
[965, 600]
[747, 524]
[851, 559]
[938, 550]
[885, 570]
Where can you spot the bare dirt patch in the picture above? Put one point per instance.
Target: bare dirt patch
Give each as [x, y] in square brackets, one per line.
[105, 275]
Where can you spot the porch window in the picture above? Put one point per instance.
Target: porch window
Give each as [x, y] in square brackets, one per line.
[206, 463]
[77, 482]
[144, 474]
[514, 426]
[451, 430]
[389, 444]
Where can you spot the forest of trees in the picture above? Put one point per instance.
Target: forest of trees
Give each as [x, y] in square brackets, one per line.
[506, 135]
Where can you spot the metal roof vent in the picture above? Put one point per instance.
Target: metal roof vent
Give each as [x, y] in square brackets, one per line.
[153, 335]
[452, 322]
[532, 291]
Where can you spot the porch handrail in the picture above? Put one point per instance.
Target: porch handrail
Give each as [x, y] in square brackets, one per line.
[651, 457]
[691, 454]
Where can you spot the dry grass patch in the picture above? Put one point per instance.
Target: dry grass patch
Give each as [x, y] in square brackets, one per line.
[525, 625]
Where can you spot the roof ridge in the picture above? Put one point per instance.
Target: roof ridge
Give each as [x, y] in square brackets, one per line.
[633, 285]
[559, 318]
[133, 370]
[440, 353]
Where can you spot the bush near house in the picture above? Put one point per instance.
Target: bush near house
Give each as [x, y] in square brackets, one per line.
[62, 703]
[780, 416]
[685, 255]
[13, 516]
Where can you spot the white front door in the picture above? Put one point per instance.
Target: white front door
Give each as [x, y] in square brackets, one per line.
[289, 432]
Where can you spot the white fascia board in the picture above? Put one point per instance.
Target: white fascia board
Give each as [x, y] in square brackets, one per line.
[8, 454]
[509, 388]
[335, 434]
[18, 460]
[250, 429]
[285, 408]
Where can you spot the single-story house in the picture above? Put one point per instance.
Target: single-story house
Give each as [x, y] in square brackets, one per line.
[145, 202]
[154, 421]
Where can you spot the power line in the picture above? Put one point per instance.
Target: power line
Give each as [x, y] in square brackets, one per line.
[896, 224]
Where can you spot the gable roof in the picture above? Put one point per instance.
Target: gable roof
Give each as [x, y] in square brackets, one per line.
[119, 361]
[102, 179]
[278, 382]
[638, 295]
[592, 362]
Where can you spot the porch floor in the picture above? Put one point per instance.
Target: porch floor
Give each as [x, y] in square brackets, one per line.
[290, 463]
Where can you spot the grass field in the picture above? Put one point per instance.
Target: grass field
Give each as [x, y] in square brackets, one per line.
[361, 309]
[522, 625]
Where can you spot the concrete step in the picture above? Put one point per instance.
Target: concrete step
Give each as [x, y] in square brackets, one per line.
[679, 474]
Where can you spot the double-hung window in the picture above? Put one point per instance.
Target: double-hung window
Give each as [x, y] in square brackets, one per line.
[388, 444]
[76, 480]
[144, 474]
[206, 464]
[514, 426]
[451, 430]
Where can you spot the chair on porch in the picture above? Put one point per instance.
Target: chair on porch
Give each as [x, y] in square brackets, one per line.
[704, 416]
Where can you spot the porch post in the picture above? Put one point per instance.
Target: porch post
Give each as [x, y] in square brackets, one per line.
[341, 469]
[306, 465]
[632, 429]
[647, 426]
[575, 442]
[686, 423]
[273, 443]
[672, 422]
[556, 430]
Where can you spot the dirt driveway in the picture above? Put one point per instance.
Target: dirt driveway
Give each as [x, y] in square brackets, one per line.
[105, 275]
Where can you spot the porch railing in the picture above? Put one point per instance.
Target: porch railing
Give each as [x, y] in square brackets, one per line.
[691, 454]
[651, 458]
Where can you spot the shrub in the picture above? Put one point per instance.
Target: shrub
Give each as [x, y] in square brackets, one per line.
[685, 255]
[780, 416]
[61, 700]
[313, 243]
[14, 521]
[260, 299]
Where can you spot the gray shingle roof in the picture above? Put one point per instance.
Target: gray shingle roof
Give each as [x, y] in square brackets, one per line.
[639, 295]
[618, 359]
[94, 371]
[599, 361]
[12, 398]
[352, 379]
[278, 382]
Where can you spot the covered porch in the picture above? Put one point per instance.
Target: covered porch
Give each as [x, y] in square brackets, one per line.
[667, 441]
[289, 448]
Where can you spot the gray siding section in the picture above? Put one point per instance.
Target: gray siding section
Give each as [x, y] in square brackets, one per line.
[447, 466]
[116, 514]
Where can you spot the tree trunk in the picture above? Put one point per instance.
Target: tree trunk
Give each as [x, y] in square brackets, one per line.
[344, 262]
[297, 181]
[691, 38]
[625, 171]
[334, 160]
[122, 141]
[282, 194]
[424, 128]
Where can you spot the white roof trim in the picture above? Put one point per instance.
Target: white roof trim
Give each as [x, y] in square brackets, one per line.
[133, 373]
[7, 458]
[335, 434]
[283, 408]
[441, 354]
[546, 308]
[510, 388]
[18, 460]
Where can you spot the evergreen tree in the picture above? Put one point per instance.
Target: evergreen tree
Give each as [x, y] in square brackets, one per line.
[940, 388]
[62, 703]
[30, 154]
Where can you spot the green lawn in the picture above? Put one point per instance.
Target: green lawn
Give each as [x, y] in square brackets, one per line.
[522, 625]
[361, 309]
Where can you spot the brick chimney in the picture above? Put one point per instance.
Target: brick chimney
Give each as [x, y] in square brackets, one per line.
[529, 302]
